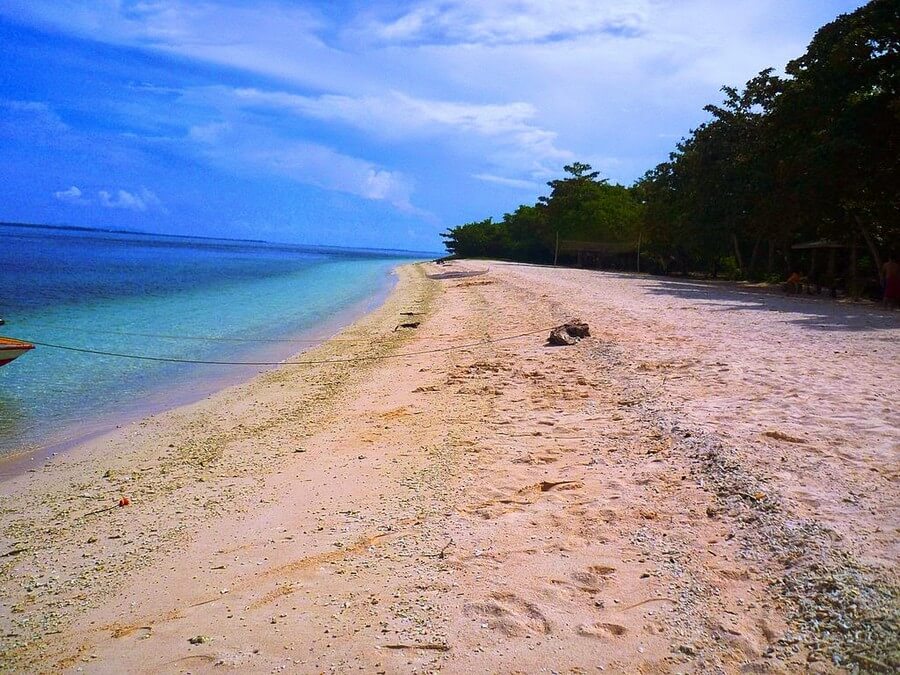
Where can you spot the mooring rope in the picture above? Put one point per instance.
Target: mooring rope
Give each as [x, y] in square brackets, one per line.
[309, 362]
[202, 338]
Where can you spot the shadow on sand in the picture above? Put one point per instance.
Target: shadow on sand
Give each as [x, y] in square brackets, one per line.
[815, 313]
[454, 274]
[819, 313]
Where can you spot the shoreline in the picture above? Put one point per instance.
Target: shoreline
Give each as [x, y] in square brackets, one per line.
[666, 495]
[161, 399]
[163, 514]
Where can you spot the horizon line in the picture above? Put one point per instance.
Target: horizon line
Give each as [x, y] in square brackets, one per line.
[113, 230]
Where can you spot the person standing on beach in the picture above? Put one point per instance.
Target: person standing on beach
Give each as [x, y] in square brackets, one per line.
[891, 282]
[792, 285]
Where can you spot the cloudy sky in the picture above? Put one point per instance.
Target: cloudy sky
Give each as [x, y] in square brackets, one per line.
[355, 122]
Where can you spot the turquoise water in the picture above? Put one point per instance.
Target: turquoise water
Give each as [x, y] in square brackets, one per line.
[108, 292]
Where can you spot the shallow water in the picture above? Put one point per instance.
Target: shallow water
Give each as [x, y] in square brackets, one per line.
[151, 295]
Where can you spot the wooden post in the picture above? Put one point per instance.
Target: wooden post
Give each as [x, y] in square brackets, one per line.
[640, 236]
[556, 250]
[812, 269]
[753, 256]
[872, 249]
[832, 282]
[737, 254]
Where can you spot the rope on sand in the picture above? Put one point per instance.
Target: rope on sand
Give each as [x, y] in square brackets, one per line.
[310, 362]
[201, 338]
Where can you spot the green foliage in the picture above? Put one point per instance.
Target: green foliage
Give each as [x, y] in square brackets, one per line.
[477, 239]
[580, 207]
[809, 156]
[815, 155]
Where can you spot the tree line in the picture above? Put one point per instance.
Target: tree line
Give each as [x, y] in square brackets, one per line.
[809, 158]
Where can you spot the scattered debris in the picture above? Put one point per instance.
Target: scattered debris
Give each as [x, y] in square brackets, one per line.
[117, 505]
[779, 436]
[199, 639]
[569, 333]
[547, 485]
[644, 602]
[15, 551]
[440, 554]
[436, 646]
[407, 324]
[577, 328]
[560, 338]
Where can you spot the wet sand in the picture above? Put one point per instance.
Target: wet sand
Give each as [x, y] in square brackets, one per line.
[709, 482]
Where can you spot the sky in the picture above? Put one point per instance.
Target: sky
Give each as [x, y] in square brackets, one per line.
[355, 123]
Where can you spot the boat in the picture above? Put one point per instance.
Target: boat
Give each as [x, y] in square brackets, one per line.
[11, 349]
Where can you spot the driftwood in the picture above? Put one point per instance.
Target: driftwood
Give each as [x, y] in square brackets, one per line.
[569, 333]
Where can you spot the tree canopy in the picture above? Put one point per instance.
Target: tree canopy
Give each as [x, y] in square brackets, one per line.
[581, 207]
[810, 155]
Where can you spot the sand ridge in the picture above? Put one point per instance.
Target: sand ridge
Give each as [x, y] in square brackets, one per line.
[666, 496]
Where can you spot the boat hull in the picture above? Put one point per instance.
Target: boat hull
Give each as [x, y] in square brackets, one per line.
[11, 349]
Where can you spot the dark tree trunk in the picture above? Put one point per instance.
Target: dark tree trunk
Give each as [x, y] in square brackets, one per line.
[753, 256]
[872, 249]
[737, 254]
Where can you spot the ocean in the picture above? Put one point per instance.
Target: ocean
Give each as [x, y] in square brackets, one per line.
[179, 297]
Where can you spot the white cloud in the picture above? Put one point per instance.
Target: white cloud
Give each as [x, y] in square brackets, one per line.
[30, 121]
[508, 182]
[242, 134]
[513, 139]
[395, 112]
[315, 164]
[209, 133]
[71, 196]
[508, 89]
[242, 144]
[38, 111]
[509, 21]
[143, 200]
[272, 37]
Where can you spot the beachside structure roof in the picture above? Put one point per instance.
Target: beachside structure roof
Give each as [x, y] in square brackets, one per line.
[822, 243]
[571, 245]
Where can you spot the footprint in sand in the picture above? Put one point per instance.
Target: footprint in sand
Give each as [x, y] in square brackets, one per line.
[510, 614]
[593, 578]
[194, 658]
[537, 458]
[601, 630]
[735, 575]
[523, 497]
[133, 632]
[557, 485]
[781, 436]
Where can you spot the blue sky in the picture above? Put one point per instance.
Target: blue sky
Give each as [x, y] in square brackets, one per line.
[355, 123]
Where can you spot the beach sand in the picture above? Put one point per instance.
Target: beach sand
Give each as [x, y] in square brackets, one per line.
[708, 483]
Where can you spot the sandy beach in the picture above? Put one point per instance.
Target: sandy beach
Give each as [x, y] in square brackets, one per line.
[708, 483]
